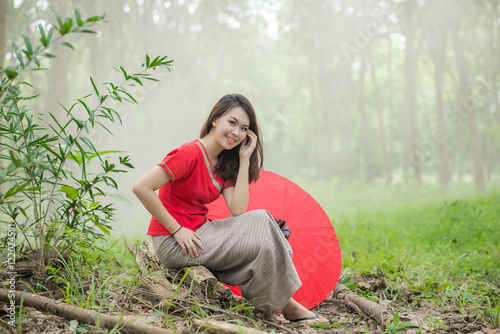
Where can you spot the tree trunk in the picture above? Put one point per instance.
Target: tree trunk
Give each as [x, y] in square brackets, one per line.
[443, 161]
[126, 324]
[345, 116]
[392, 113]
[369, 308]
[3, 23]
[437, 50]
[365, 130]
[380, 117]
[412, 153]
[467, 110]
[493, 146]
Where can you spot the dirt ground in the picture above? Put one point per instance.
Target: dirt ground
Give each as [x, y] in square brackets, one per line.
[416, 316]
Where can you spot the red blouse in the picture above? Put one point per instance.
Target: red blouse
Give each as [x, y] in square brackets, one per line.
[192, 186]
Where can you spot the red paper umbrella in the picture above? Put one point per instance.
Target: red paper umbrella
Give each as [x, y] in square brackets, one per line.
[316, 250]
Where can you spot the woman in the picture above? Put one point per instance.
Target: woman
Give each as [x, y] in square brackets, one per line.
[247, 249]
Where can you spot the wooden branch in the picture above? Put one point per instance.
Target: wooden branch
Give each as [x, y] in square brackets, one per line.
[127, 324]
[153, 276]
[212, 326]
[201, 281]
[346, 303]
[369, 308]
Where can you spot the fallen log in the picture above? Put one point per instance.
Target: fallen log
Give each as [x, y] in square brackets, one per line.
[367, 307]
[212, 326]
[127, 324]
[199, 280]
[152, 275]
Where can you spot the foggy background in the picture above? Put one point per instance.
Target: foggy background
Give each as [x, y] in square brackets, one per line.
[382, 92]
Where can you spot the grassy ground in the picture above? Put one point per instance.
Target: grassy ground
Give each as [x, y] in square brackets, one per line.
[436, 252]
[444, 245]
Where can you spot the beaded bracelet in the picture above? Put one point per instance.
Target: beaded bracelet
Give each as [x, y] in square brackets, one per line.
[177, 230]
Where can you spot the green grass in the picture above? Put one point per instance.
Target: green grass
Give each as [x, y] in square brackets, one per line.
[455, 239]
[444, 244]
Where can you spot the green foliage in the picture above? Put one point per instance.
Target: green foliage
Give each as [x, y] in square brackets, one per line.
[53, 180]
[444, 250]
[396, 327]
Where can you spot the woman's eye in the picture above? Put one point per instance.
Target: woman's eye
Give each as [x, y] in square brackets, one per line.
[244, 129]
[232, 122]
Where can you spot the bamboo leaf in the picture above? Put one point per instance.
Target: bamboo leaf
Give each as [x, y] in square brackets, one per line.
[43, 38]
[103, 228]
[49, 35]
[75, 156]
[68, 45]
[90, 112]
[68, 24]
[90, 146]
[105, 127]
[10, 72]
[87, 31]
[18, 54]
[29, 48]
[78, 17]
[104, 152]
[93, 85]
[71, 193]
[16, 189]
[36, 60]
[124, 73]
[59, 21]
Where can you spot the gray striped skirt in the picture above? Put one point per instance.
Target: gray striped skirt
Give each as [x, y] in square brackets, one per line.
[247, 250]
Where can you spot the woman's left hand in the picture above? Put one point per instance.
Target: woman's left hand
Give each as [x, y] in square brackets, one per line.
[248, 146]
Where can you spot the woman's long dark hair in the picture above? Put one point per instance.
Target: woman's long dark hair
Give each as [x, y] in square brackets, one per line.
[229, 160]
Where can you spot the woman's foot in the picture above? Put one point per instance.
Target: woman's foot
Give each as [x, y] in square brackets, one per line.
[295, 312]
[277, 317]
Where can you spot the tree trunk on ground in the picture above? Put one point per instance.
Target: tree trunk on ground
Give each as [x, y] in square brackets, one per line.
[213, 326]
[369, 308]
[200, 280]
[127, 324]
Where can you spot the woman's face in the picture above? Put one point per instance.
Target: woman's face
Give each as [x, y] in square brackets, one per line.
[231, 128]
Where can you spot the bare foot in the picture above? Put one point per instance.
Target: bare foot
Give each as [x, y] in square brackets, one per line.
[295, 312]
[277, 317]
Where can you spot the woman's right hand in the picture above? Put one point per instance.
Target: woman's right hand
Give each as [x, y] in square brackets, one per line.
[188, 240]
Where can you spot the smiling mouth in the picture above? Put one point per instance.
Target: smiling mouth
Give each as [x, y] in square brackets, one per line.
[231, 140]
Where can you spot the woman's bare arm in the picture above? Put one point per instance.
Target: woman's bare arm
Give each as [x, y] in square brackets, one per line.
[237, 197]
[144, 188]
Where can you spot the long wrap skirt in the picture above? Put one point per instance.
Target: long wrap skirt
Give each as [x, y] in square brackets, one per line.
[247, 250]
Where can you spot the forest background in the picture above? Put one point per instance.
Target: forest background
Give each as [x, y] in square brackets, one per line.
[348, 93]
[387, 112]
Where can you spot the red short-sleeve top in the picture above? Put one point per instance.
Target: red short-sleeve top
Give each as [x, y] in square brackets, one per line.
[192, 186]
